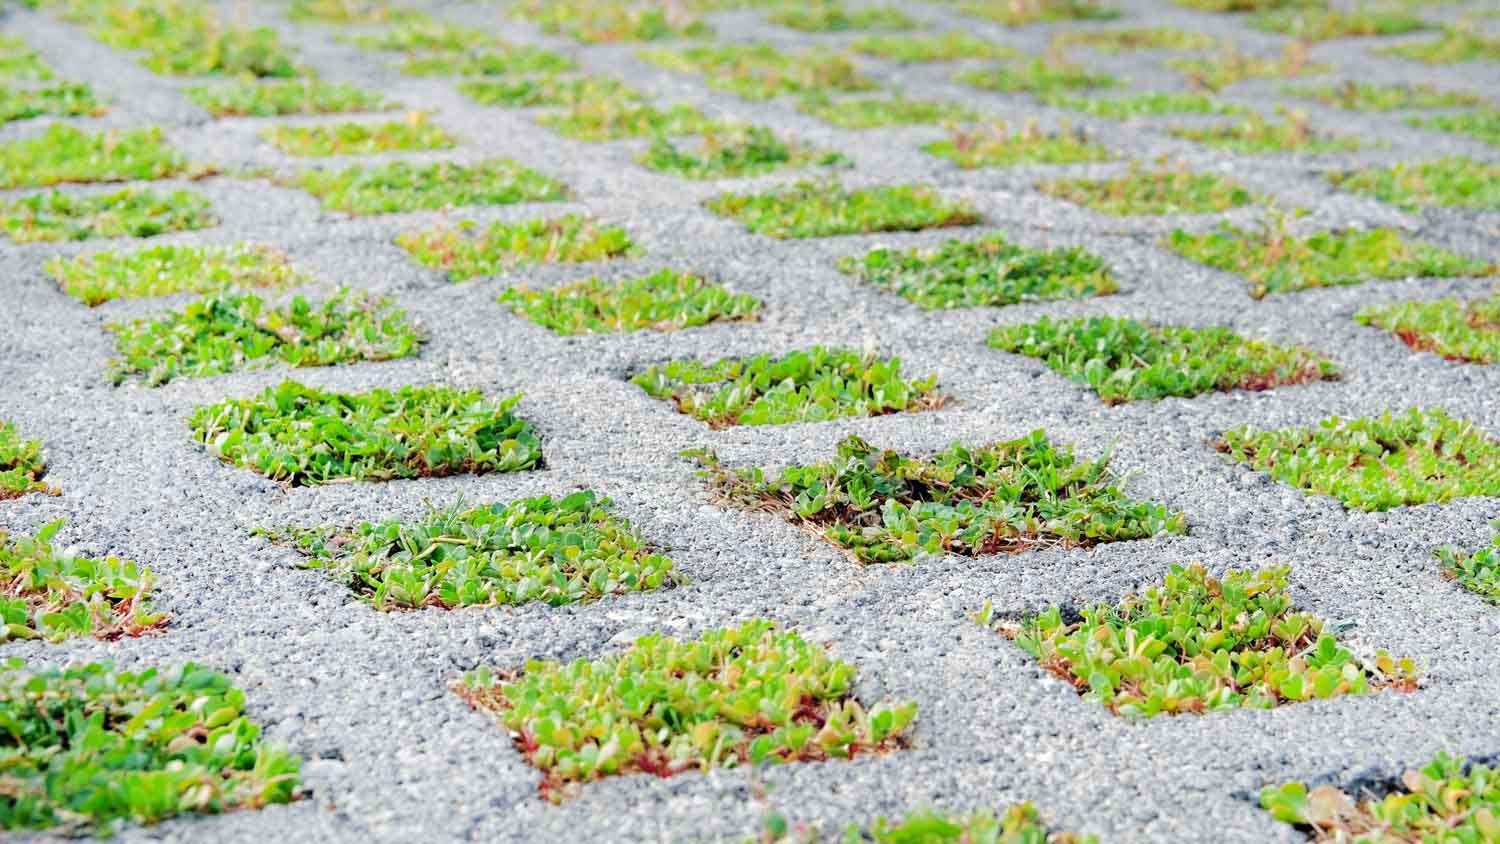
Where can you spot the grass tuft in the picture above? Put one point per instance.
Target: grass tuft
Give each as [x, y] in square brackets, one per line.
[55, 594]
[465, 251]
[666, 300]
[132, 212]
[1458, 331]
[64, 154]
[21, 464]
[406, 186]
[413, 133]
[248, 98]
[821, 209]
[996, 145]
[172, 268]
[1155, 192]
[1452, 182]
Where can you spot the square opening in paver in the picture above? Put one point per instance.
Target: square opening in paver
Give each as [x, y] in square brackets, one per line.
[826, 209]
[833, 16]
[104, 748]
[1323, 24]
[748, 695]
[1255, 135]
[1198, 644]
[1001, 498]
[874, 112]
[466, 250]
[21, 464]
[56, 593]
[184, 38]
[1479, 571]
[1116, 41]
[1153, 192]
[406, 186]
[1446, 800]
[1367, 96]
[63, 99]
[65, 154]
[1142, 105]
[814, 385]
[611, 21]
[172, 268]
[1125, 360]
[1452, 182]
[735, 152]
[991, 271]
[1458, 331]
[1273, 260]
[1214, 73]
[1020, 823]
[666, 300]
[1019, 12]
[919, 49]
[236, 331]
[997, 145]
[1376, 463]
[761, 72]
[553, 550]
[132, 212]
[416, 132]
[248, 98]
[304, 436]
[1042, 77]
[1480, 125]
[1456, 45]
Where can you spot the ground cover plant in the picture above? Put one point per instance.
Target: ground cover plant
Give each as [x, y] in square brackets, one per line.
[1457, 330]
[1020, 823]
[1479, 125]
[821, 209]
[595, 22]
[103, 748]
[997, 145]
[519, 60]
[349, 11]
[1126, 360]
[1142, 191]
[1006, 497]
[812, 385]
[554, 550]
[1273, 260]
[734, 152]
[1140, 105]
[1366, 96]
[990, 271]
[549, 90]
[917, 49]
[65, 154]
[407, 186]
[132, 212]
[1451, 182]
[1456, 44]
[248, 98]
[1244, 5]
[1444, 800]
[1376, 463]
[1478, 572]
[1216, 72]
[666, 300]
[1043, 77]
[172, 268]
[1315, 24]
[413, 133]
[56, 593]
[20, 63]
[183, 38]
[21, 464]
[465, 251]
[1198, 643]
[1018, 12]
[303, 436]
[761, 72]
[833, 16]
[753, 694]
[425, 35]
[612, 119]
[60, 100]
[233, 331]
[873, 112]
[1130, 40]
[1255, 135]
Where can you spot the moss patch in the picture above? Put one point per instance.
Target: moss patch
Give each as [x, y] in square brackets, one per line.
[874, 112]
[466, 251]
[55, 594]
[1153, 192]
[1124, 360]
[820, 209]
[1376, 463]
[748, 695]
[171, 268]
[413, 133]
[1254, 135]
[1365, 96]
[666, 300]
[405, 186]
[64, 154]
[1452, 182]
[915, 49]
[1141, 105]
[996, 145]
[882, 506]
[1043, 77]
[303, 436]
[269, 99]
[132, 212]
[761, 72]
[1458, 331]
[1199, 644]
[734, 152]
[21, 464]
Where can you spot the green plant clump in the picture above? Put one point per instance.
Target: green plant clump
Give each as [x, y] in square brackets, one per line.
[1418, 457]
[1312, 24]
[1478, 572]
[184, 38]
[172, 268]
[919, 49]
[465, 251]
[997, 145]
[235, 331]
[550, 90]
[55, 594]
[1479, 125]
[407, 186]
[1155, 192]
[21, 464]
[753, 694]
[1138, 105]
[1019, 12]
[131, 212]
[96, 748]
[1043, 77]
[1254, 135]
[64, 154]
[248, 98]
[1366, 96]
[1217, 72]
[303, 436]
[814, 209]
[20, 63]
[413, 133]
[1199, 644]
[1021, 823]
[734, 152]
[519, 61]
[666, 300]
[1457, 44]
[987, 272]
[424, 34]
[1007, 497]
[350, 11]
[608, 120]
[873, 112]
[61, 100]
[833, 16]
[1452, 182]
[814, 385]
[761, 72]
[1275, 261]
[1116, 41]
[1124, 360]
[611, 21]
[554, 550]
[1459, 331]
